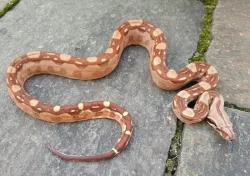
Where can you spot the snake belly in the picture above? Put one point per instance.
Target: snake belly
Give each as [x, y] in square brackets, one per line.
[132, 32]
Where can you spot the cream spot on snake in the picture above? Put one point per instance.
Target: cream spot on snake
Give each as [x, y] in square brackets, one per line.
[35, 54]
[39, 109]
[192, 67]
[55, 58]
[15, 88]
[92, 59]
[205, 85]
[161, 46]
[183, 94]
[78, 62]
[11, 69]
[124, 127]
[172, 73]
[109, 51]
[56, 108]
[117, 48]
[116, 152]
[80, 106]
[106, 103]
[212, 70]
[143, 28]
[195, 94]
[175, 103]
[118, 114]
[188, 112]
[33, 102]
[126, 30]
[135, 22]
[205, 98]
[157, 61]
[106, 109]
[104, 59]
[182, 78]
[128, 132]
[51, 54]
[125, 113]
[65, 57]
[157, 32]
[73, 110]
[117, 35]
[159, 71]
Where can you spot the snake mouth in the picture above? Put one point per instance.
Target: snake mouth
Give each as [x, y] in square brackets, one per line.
[226, 135]
[225, 132]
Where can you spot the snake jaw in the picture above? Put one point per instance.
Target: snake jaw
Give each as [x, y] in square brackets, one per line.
[219, 120]
[227, 133]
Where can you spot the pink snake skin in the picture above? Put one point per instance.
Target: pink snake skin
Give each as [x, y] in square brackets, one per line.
[209, 104]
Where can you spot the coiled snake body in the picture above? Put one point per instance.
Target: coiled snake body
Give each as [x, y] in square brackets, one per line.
[133, 32]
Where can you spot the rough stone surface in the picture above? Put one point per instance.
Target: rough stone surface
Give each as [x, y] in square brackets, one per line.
[205, 153]
[84, 29]
[2, 3]
[229, 51]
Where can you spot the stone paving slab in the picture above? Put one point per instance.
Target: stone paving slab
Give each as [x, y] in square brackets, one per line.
[2, 3]
[205, 153]
[84, 29]
[229, 51]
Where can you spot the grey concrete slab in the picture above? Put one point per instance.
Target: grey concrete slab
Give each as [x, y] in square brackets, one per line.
[229, 51]
[84, 28]
[2, 3]
[205, 153]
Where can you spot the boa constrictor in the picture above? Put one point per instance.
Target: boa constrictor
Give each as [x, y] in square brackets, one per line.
[134, 32]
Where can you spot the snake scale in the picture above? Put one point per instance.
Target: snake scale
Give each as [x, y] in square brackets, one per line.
[209, 103]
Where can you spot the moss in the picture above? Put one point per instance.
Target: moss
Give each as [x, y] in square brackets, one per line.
[174, 152]
[206, 34]
[203, 44]
[230, 105]
[7, 7]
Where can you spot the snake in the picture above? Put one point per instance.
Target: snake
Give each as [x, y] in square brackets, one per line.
[209, 104]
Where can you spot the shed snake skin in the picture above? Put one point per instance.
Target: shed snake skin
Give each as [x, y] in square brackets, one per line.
[209, 104]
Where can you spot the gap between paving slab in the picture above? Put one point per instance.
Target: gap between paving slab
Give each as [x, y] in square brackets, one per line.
[202, 157]
[205, 153]
[203, 44]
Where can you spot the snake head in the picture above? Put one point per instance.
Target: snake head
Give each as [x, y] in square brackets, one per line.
[219, 120]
